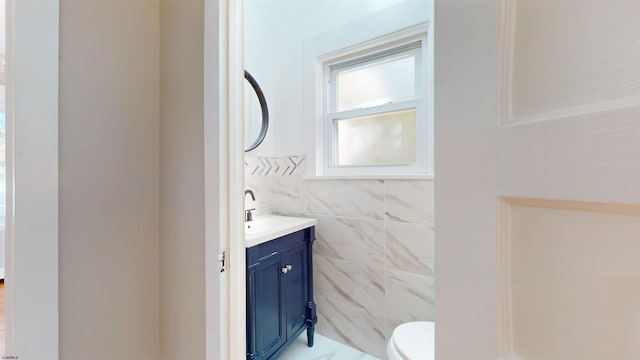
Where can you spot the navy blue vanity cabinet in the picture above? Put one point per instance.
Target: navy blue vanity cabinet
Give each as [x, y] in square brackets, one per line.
[280, 302]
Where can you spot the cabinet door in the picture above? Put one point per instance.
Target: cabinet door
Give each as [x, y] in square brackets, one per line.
[294, 288]
[267, 310]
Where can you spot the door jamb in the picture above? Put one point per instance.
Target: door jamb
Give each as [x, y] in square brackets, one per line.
[234, 58]
[32, 196]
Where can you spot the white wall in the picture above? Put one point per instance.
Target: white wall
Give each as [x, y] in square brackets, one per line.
[276, 33]
[109, 180]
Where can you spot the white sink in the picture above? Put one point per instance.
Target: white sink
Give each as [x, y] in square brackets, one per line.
[268, 227]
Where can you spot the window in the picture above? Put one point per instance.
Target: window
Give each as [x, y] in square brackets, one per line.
[375, 116]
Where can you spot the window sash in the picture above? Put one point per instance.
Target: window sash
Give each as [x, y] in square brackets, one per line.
[386, 122]
[414, 45]
[413, 48]
[332, 139]
[387, 53]
[380, 109]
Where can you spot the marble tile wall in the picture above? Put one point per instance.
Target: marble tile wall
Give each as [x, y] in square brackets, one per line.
[374, 253]
[260, 175]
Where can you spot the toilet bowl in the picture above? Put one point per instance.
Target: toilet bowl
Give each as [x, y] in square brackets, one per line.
[412, 341]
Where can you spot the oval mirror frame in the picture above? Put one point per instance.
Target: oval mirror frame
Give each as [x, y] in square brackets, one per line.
[263, 107]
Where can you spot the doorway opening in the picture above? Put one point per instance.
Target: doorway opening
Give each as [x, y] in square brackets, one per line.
[377, 225]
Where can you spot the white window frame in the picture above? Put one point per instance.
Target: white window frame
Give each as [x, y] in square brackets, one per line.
[411, 41]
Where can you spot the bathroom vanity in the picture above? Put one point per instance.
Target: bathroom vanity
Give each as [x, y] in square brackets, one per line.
[280, 302]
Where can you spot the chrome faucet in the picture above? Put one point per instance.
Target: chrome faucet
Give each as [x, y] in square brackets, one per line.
[248, 214]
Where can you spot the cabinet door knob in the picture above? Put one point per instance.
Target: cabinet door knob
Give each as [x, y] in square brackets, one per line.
[286, 268]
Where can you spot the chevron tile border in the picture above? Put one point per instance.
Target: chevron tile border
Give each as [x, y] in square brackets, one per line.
[275, 166]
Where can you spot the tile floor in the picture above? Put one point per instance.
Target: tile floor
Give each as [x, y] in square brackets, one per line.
[323, 349]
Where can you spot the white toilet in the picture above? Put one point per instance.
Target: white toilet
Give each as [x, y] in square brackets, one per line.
[412, 341]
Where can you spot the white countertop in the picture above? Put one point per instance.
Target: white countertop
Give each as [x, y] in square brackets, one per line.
[268, 227]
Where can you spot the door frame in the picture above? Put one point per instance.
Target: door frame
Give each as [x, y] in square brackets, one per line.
[224, 61]
[467, 211]
[32, 179]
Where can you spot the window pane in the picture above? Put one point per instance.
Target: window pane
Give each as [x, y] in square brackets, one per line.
[388, 138]
[378, 83]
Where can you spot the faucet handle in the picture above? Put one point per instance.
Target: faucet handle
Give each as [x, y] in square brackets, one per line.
[249, 215]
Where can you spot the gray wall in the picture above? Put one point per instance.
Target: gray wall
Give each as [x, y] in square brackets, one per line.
[109, 179]
[132, 228]
[126, 147]
[182, 247]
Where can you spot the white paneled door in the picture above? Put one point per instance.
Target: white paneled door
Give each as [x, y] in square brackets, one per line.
[537, 187]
